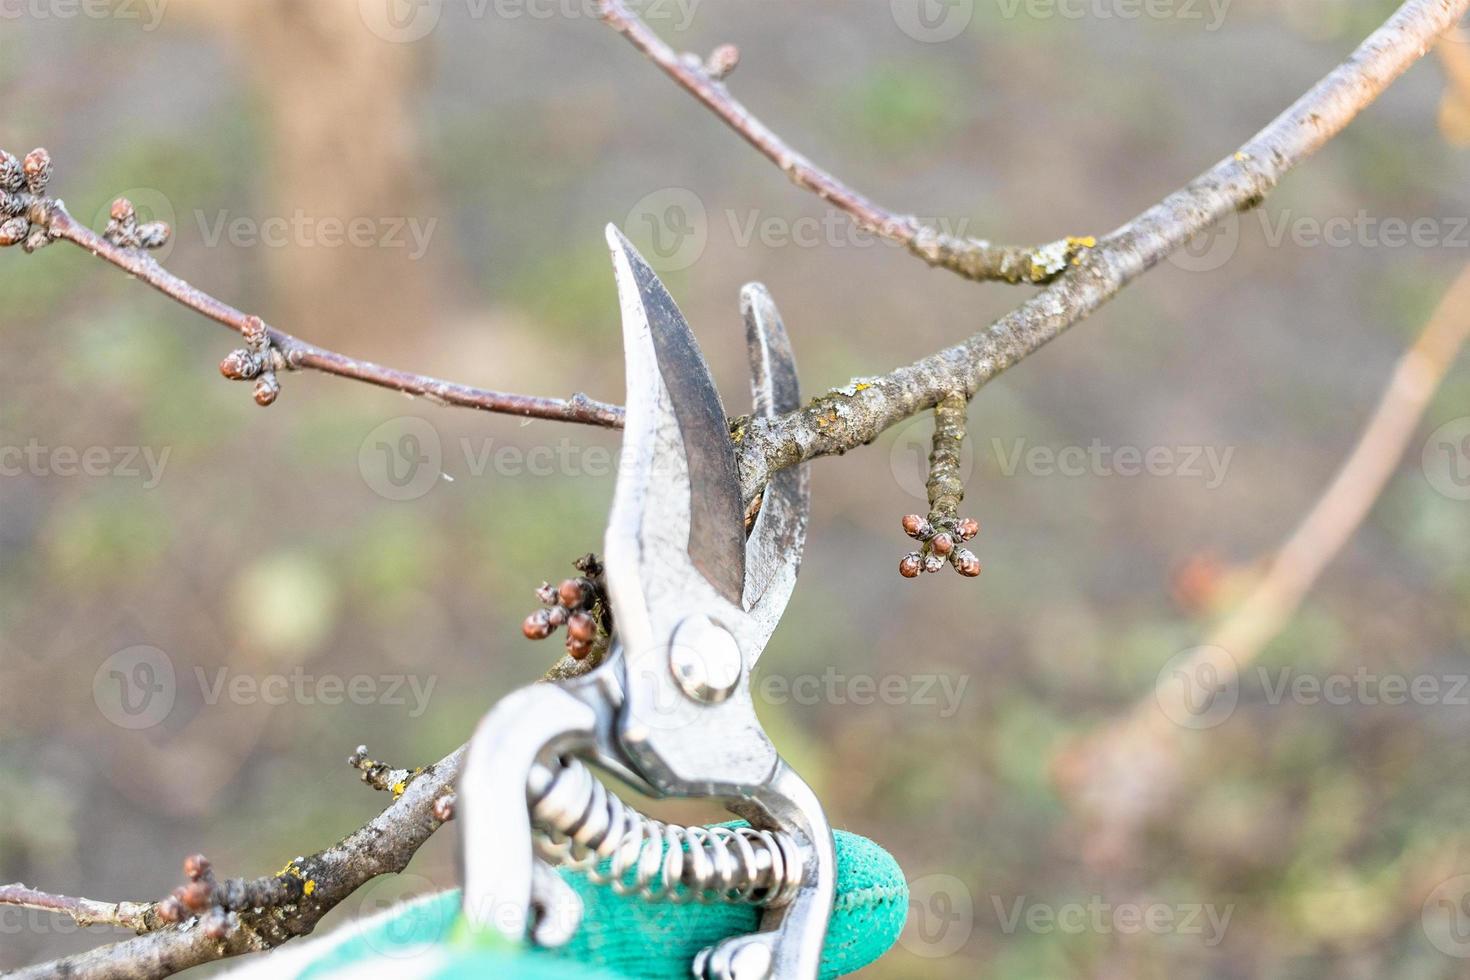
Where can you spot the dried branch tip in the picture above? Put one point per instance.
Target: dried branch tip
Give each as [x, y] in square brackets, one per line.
[943, 533]
[381, 776]
[25, 211]
[579, 604]
[259, 360]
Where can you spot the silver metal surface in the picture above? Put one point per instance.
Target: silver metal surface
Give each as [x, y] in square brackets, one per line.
[694, 601]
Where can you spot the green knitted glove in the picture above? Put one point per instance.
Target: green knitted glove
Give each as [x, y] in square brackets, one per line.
[621, 938]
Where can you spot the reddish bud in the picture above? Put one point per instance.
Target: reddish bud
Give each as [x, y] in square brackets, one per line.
[537, 625]
[123, 210]
[546, 593]
[572, 593]
[37, 170]
[966, 563]
[722, 61]
[217, 925]
[910, 566]
[196, 866]
[582, 627]
[942, 544]
[913, 525]
[196, 895]
[266, 390]
[444, 808]
[933, 563]
[171, 910]
[579, 649]
[557, 615]
[968, 528]
[14, 231]
[239, 365]
[255, 333]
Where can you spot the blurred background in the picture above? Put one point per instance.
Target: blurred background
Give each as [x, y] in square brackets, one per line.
[204, 620]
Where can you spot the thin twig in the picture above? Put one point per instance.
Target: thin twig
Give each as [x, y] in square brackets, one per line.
[138, 916]
[300, 354]
[1148, 740]
[854, 415]
[383, 846]
[971, 258]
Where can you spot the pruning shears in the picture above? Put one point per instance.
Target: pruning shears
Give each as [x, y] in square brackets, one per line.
[695, 596]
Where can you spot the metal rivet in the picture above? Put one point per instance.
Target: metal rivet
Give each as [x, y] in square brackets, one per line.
[706, 660]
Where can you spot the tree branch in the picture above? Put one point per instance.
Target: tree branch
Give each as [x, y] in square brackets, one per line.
[138, 916]
[384, 845]
[849, 417]
[971, 258]
[297, 354]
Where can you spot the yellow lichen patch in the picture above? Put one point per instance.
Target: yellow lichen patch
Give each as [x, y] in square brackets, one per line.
[1083, 241]
[1241, 156]
[399, 787]
[289, 871]
[309, 887]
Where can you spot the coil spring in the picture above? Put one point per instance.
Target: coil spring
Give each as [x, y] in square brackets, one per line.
[581, 824]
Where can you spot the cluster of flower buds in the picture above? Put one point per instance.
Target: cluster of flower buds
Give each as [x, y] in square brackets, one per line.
[199, 898]
[579, 604]
[124, 230]
[258, 360]
[217, 903]
[24, 209]
[941, 538]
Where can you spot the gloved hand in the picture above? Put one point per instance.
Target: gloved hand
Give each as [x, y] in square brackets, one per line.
[620, 938]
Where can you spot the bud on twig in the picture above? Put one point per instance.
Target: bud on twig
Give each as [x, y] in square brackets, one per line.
[942, 532]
